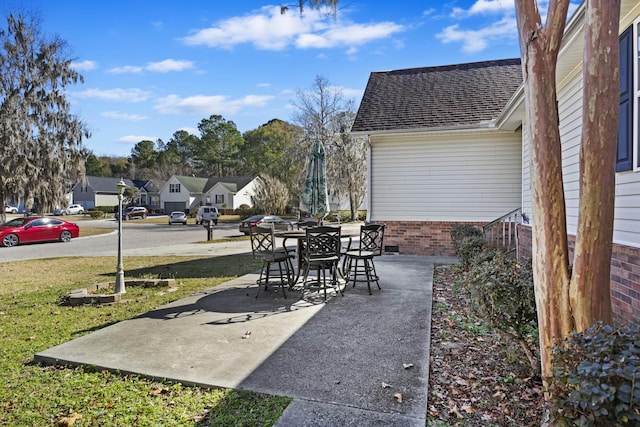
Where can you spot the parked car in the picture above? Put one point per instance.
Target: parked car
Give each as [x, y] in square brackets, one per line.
[37, 229]
[206, 214]
[134, 212]
[59, 211]
[10, 209]
[279, 223]
[177, 217]
[74, 210]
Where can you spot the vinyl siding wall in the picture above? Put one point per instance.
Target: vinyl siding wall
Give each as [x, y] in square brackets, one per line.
[445, 178]
[625, 261]
[627, 203]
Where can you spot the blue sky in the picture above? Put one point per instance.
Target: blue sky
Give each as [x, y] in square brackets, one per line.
[152, 67]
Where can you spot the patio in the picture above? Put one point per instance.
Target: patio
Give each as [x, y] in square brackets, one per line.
[331, 358]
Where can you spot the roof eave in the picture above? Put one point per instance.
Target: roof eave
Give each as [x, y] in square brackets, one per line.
[481, 127]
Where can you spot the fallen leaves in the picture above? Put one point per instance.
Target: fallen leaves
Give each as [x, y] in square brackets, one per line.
[475, 380]
[70, 420]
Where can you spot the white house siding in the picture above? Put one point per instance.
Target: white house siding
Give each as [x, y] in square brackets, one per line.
[460, 177]
[183, 196]
[244, 196]
[106, 200]
[627, 203]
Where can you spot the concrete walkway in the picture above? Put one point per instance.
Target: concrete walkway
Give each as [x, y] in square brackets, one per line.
[332, 358]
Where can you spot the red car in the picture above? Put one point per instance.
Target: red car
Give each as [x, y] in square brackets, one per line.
[37, 229]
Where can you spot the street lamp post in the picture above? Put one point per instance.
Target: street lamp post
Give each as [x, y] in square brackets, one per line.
[120, 270]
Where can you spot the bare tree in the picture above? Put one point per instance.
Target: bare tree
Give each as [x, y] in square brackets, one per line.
[350, 171]
[324, 115]
[41, 152]
[568, 300]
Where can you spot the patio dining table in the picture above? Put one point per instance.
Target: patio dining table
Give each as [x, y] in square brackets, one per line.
[300, 236]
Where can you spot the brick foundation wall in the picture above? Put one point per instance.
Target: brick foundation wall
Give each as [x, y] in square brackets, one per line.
[419, 237]
[625, 275]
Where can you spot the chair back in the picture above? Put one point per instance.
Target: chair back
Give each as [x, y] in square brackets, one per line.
[322, 242]
[263, 241]
[371, 238]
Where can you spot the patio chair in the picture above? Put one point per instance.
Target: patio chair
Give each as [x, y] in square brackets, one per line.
[263, 247]
[321, 252]
[359, 261]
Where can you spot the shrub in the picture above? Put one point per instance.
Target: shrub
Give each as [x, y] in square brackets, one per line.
[245, 211]
[596, 379]
[96, 213]
[468, 241]
[502, 293]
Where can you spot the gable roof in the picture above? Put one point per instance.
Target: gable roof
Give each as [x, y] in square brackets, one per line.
[195, 184]
[430, 98]
[192, 183]
[102, 184]
[232, 184]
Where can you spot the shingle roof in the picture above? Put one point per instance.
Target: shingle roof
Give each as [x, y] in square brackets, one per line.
[231, 183]
[103, 184]
[459, 95]
[192, 183]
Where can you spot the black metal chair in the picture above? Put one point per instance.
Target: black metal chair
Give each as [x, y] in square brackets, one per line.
[263, 246]
[359, 261]
[321, 252]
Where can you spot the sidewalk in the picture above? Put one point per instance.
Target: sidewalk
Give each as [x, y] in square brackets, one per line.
[331, 358]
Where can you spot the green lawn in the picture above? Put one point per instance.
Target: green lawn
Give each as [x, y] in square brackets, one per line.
[33, 319]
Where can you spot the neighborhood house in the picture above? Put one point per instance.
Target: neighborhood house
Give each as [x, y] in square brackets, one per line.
[447, 146]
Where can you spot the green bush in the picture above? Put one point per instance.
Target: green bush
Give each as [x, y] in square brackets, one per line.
[96, 213]
[596, 380]
[106, 209]
[501, 290]
[245, 211]
[468, 241]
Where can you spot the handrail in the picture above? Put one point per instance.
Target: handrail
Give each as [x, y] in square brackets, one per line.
[502, 232]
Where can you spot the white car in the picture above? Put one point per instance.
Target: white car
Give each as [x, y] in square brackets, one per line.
[74, 210]
[10, 209]
[177, 217]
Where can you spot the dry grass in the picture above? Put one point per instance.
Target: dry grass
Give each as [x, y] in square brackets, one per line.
[76, 272]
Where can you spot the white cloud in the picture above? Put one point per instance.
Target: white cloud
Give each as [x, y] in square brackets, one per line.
[477, 40]
[484, 7]
[268, 29]
[134, 139]
[479, 33]
[126, 69]
[208, 104]
[169, 65]
[164, 66]
[485, 33]
[349, 35]
[84, 65]
[124, 95]
[124, 116]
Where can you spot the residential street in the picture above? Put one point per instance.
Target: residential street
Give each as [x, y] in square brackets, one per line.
[135, 238]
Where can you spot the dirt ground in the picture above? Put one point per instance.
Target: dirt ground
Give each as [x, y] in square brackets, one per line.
[476, 377]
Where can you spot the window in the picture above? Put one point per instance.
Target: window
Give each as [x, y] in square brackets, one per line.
[219, 199]
[625, 125]
[174, 188]
[627, 158]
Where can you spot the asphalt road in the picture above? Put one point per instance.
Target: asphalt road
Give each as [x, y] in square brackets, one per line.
[136, 236]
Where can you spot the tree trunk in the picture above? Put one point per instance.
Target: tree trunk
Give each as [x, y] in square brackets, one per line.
[590, 281]
[539, 47]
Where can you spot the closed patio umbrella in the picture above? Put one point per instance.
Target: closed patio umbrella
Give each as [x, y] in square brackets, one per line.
[315, 195]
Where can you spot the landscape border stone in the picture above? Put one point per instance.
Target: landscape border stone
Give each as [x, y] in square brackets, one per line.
[91, 295]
